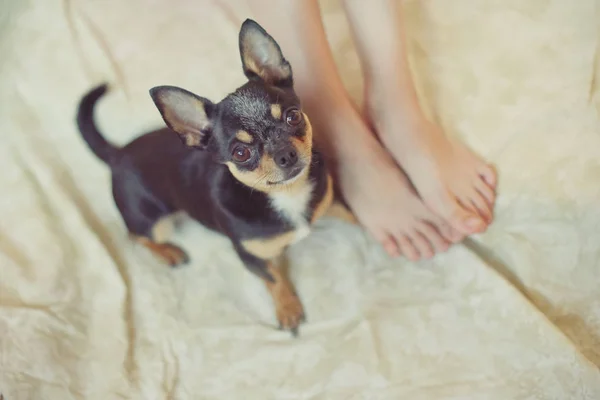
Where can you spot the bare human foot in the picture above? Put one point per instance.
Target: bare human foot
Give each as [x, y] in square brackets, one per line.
[452, 181]
[381, 196]
[378, 192]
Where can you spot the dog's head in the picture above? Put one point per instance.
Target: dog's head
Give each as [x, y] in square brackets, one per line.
[259, 131]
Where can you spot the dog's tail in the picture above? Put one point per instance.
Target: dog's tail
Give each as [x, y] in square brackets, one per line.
[85, 121]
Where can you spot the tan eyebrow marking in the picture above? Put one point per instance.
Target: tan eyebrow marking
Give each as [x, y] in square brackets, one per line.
[244, 136]
[276, 111]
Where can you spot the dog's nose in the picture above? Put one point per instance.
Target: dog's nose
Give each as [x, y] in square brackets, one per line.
[286, 157]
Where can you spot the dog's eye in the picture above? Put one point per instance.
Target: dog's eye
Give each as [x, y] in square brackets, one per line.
[241, 154]
[293, 117]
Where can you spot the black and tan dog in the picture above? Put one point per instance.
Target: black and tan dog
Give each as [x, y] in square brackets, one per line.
[245, 167]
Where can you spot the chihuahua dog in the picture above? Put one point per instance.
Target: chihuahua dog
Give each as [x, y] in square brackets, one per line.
[245, 167]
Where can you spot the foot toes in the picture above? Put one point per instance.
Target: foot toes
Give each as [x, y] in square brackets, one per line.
[408, 248]
[487, 192]
[479, 204]
[440, 244]
[488, 173]
[422, 244]
[465, 220]
[389, 244]
[457, 214]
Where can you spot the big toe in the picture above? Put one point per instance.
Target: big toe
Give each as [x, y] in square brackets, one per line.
[480, 204]
[458, 215]
[468, 223]
[464, 220]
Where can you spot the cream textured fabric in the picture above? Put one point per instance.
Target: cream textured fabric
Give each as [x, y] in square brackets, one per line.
[512, 314]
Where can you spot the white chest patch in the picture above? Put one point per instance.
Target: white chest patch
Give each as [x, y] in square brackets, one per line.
[293, 206]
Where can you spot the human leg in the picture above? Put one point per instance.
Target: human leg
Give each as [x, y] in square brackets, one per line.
[452, 181]
[375, 188]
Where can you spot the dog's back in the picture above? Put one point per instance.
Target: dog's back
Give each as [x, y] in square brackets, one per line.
[152, 176]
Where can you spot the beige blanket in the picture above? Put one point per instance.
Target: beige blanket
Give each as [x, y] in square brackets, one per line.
[511, 314]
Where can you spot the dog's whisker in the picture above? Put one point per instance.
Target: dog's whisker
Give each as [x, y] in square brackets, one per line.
[259, 181]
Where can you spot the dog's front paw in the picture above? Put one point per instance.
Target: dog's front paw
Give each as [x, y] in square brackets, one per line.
[290, 312]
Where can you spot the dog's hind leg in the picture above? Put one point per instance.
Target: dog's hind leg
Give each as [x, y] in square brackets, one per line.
[148, 221]
[169, 253]
[158, 242]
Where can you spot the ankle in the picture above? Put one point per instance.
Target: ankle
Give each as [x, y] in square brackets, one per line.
[343, 132]
[392, 84]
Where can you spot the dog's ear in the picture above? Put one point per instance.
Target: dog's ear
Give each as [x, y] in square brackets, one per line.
[261, 56]
[185, 113]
